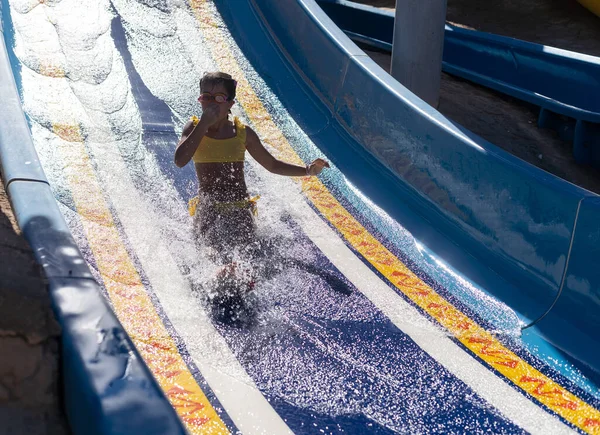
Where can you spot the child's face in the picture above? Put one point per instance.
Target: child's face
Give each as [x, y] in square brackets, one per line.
[212, 90]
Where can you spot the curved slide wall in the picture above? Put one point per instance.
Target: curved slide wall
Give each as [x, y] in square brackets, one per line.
[514, 218]
[560, 82]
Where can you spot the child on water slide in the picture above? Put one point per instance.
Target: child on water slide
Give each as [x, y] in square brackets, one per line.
[223, 210]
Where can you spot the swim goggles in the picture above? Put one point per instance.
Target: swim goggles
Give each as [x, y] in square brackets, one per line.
[218, 98]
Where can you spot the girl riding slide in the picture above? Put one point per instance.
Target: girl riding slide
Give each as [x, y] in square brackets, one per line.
[223, 210]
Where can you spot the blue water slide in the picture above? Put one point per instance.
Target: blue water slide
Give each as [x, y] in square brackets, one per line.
[526, 237]
[449, 187]
[565, 85]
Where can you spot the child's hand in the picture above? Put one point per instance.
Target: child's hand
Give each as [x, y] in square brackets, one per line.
[316, 167]
[210, 115]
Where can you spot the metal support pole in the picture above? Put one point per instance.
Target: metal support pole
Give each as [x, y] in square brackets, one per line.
[418, 46]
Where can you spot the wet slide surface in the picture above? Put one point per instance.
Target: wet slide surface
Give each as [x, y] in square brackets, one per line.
[352, 329]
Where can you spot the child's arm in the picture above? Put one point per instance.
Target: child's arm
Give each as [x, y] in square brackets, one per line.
[191, 137]
[185, 148]
[271, 164]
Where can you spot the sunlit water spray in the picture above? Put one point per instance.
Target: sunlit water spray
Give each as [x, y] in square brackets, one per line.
[99, 100]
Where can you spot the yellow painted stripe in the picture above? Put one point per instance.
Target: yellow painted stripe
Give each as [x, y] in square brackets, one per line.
[470, 334]
[127, 293]
[51, 70]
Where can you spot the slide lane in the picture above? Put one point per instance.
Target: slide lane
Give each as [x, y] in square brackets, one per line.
[273, 299]
[327, 348]
[334, 139]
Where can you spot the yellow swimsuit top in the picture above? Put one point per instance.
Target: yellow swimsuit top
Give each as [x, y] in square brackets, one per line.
[222, 150]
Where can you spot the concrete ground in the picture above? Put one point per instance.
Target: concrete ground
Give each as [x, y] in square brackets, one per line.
[29, 339]
[502, 120]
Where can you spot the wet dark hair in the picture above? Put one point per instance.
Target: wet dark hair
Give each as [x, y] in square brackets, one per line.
[214, 78]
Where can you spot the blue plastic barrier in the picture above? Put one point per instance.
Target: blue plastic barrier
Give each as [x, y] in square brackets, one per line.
[18, 162]
[562, 83]
[107, 387]
[511, 216]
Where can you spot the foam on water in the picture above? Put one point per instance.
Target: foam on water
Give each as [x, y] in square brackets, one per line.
[36, 42]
